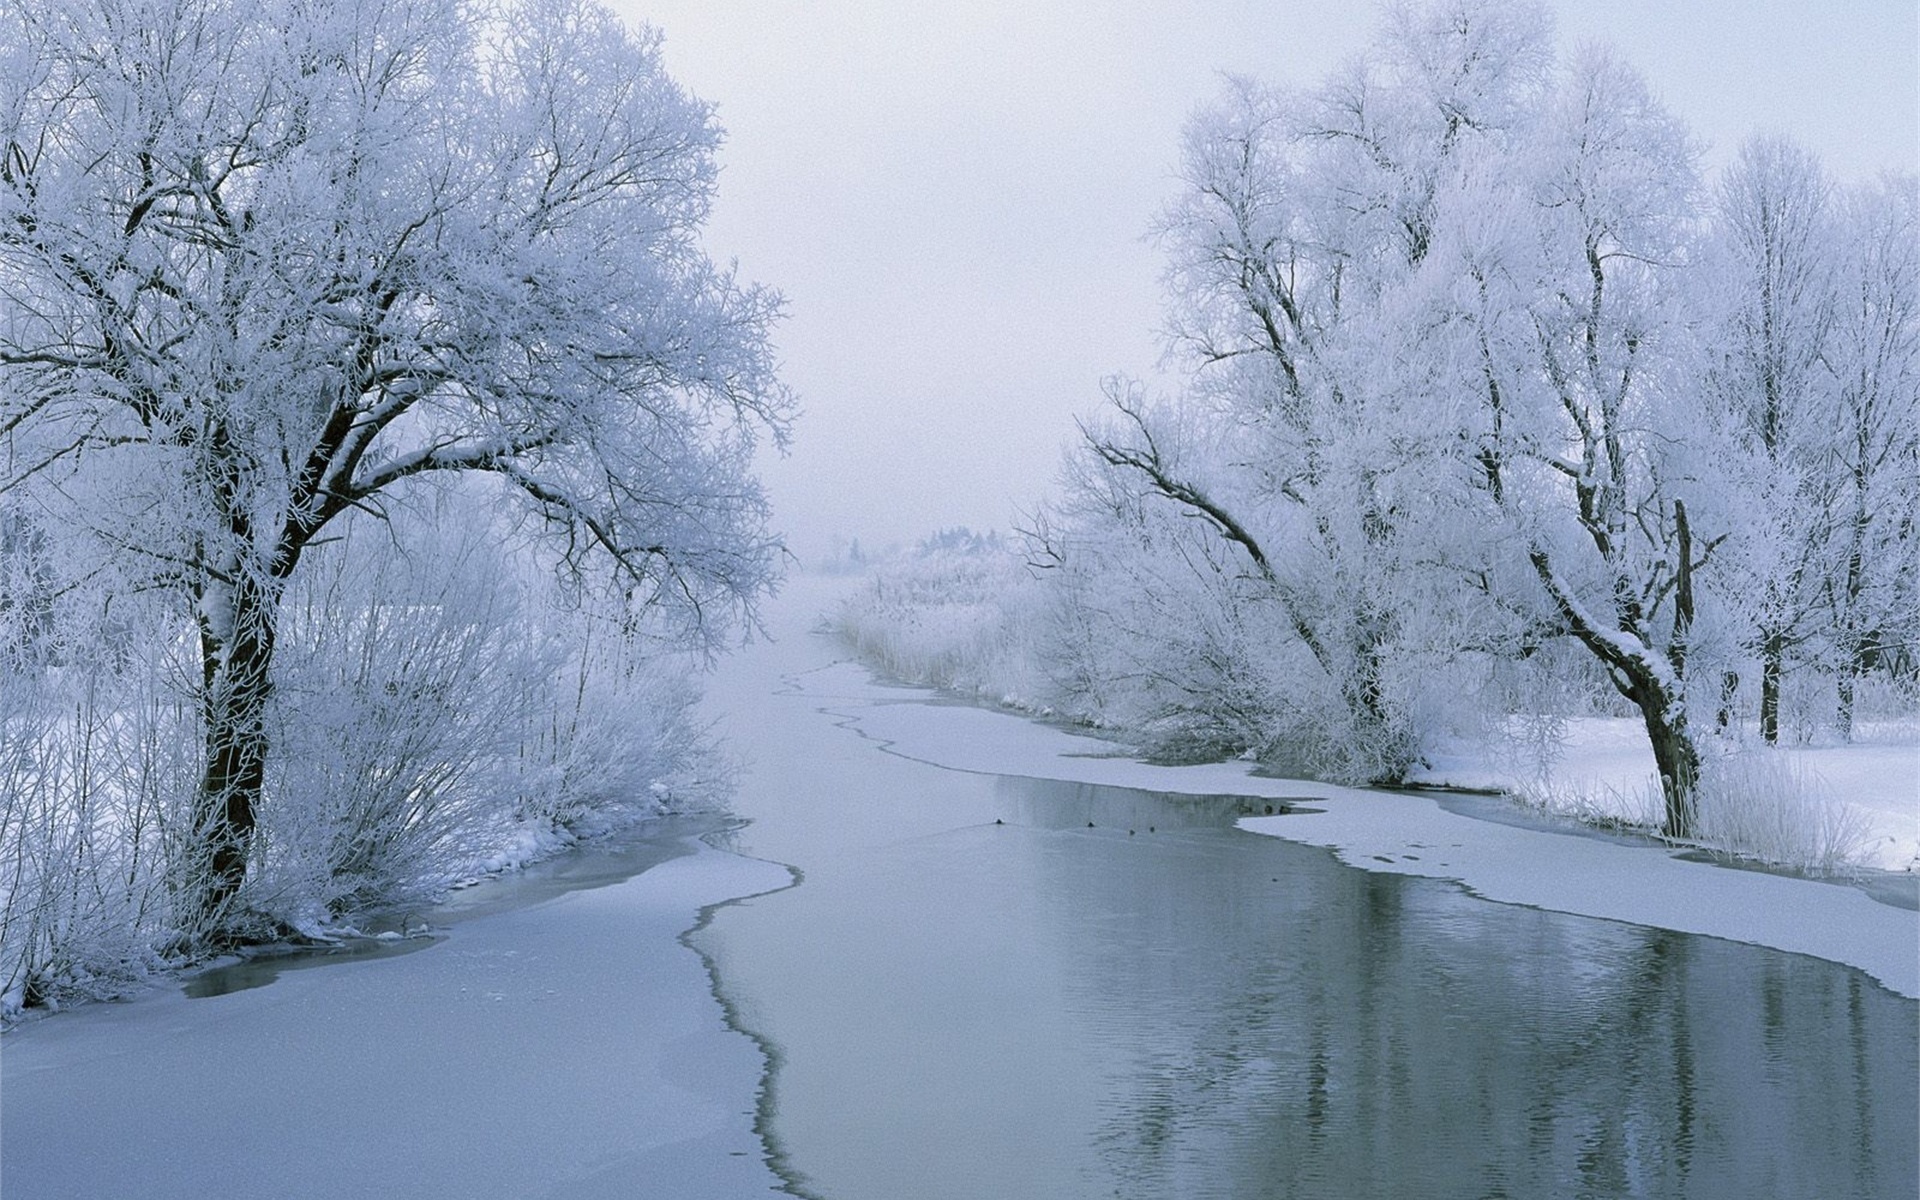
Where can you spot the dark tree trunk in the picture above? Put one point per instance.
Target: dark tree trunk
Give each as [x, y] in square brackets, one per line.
[1655, 693]
[1864, 656]
[1729, 692]
[236, 664]
[1772, 655]
[1843, 709]
[1382, 733]
[1678, 761]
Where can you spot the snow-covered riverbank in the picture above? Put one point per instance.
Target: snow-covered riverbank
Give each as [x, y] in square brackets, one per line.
[1602, 768]
[1411, 833]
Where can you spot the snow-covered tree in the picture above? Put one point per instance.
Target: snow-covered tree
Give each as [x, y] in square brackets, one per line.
[1807, 299]
[1590, 449]
[1488, 398]
[263, 265]
[1770, 279]
[1303, 216]
[1434, 309]
[1872, 364]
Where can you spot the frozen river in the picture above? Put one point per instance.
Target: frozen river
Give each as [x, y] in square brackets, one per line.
[982, 986]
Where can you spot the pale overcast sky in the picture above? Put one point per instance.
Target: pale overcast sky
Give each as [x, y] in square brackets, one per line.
[952, 195]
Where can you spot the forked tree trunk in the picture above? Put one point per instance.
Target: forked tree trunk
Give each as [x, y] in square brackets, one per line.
[1633, 668]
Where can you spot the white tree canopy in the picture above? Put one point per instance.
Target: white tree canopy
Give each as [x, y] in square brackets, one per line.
[263, 263]
[287, 256]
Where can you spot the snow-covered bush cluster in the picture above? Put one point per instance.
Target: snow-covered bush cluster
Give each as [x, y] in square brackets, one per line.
[433, 713]
[95, 759]
[1757, 805]
[435, 716]
[953, 613]
[1494, 408]
[1761, 806]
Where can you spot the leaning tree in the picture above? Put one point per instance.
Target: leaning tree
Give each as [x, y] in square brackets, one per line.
[1555, 319]
[263, 264]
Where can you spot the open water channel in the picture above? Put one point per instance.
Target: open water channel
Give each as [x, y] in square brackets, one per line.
[1067, 1004]
[990, 986]
[987, 986]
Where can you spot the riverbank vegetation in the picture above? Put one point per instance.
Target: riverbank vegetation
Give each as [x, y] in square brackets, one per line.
[966, 613]
[1495, 410]
[375, 444]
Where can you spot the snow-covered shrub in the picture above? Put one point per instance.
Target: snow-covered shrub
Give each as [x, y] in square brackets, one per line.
[1763, 805]
[93, 792]
[959, 612]
[1168, 649]
[618, 733]
[1760, 805]
[438, 710]
[392, 716]
[1606, 805]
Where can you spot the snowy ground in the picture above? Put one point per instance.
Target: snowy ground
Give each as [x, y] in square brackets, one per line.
[1412, 833]
[1603, 763]
[568, 1048]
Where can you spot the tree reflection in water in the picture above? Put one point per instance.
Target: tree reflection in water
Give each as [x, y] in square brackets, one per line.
[1277, 1024]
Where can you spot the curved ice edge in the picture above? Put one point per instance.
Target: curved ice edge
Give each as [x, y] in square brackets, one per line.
[1377, 831]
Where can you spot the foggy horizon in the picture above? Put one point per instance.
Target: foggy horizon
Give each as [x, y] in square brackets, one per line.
[955, 201]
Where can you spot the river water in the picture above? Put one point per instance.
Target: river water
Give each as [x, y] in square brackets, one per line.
[899, 981]
[989, 986]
